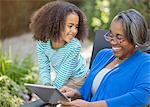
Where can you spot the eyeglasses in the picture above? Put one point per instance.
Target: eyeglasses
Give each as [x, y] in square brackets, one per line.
[110, 37]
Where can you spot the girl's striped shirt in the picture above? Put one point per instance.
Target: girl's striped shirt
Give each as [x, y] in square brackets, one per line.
[66, 62]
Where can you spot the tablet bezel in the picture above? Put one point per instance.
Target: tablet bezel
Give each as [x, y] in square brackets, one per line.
[48, 94]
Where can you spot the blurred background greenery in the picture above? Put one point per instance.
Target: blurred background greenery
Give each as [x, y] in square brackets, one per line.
[15, 14]
[14, 21]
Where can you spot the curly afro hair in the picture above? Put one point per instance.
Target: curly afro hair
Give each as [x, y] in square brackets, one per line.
[48, 22]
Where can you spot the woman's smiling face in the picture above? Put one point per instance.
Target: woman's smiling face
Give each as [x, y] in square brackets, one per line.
[122, 49]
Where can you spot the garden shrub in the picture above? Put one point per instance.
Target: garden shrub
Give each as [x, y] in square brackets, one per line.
[13, 75]
[9, 93]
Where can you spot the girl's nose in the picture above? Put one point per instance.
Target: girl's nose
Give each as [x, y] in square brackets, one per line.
[74, 30]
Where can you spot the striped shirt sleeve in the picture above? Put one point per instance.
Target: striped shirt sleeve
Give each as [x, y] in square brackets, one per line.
[43, 62]
[67, 67]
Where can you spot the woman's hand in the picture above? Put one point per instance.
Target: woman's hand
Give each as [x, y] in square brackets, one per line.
[69, 92]
[75, 103]
[83, 103]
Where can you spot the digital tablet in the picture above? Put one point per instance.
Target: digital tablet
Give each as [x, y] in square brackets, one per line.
[48, 94]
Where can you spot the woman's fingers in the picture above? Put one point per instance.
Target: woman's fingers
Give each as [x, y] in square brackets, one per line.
[64, 103]
[63, 89]
[67, 91]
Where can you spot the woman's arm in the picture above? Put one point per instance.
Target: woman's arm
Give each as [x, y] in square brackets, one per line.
[83, 103]
[78, 103]
[97, 104]
[140, 94]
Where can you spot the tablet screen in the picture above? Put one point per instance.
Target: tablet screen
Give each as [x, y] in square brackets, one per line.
[48, 94]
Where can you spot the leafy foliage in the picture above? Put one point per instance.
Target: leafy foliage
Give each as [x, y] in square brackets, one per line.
[101, 12]
[97, 12]
[101, 18]
[143, 6]
[9, 93]
[87, 6]
[13, 75]
[18, 72]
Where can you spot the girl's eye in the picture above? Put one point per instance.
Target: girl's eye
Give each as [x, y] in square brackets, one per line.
[77, 27]
[70, 26]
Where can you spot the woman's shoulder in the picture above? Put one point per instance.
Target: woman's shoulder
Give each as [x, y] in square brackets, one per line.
[141, 58]
[143, 55]
[105, 52]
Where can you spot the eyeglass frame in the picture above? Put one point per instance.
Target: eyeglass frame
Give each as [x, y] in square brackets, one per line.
[116, 38]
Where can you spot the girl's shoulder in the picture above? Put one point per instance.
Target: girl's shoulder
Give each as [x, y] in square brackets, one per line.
[74, 43]
[39, 42]
[42, 45]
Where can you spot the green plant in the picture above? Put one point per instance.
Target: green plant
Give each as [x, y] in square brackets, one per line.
[101, 12]
[20, 72]
[13, 75]
[101, 16]
[88, 7]
[141, 5]
[97, 12]
[9, 93]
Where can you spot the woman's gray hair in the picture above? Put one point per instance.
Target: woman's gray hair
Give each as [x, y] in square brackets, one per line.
[135, 28]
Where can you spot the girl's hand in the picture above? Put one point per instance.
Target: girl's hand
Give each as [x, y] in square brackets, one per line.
[75, 103]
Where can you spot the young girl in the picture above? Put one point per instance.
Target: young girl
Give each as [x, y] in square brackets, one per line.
[57, 27]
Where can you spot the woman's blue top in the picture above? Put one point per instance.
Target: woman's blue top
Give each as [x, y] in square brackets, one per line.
[127, 85]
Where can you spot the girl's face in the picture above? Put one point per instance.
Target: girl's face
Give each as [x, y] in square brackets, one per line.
[121, 47]
[71, 27]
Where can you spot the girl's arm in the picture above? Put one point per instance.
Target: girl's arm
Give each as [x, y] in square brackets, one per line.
[44, 63]
[67, 68]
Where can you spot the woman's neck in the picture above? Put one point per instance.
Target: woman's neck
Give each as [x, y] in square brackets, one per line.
[119, 61]
[127, 56]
